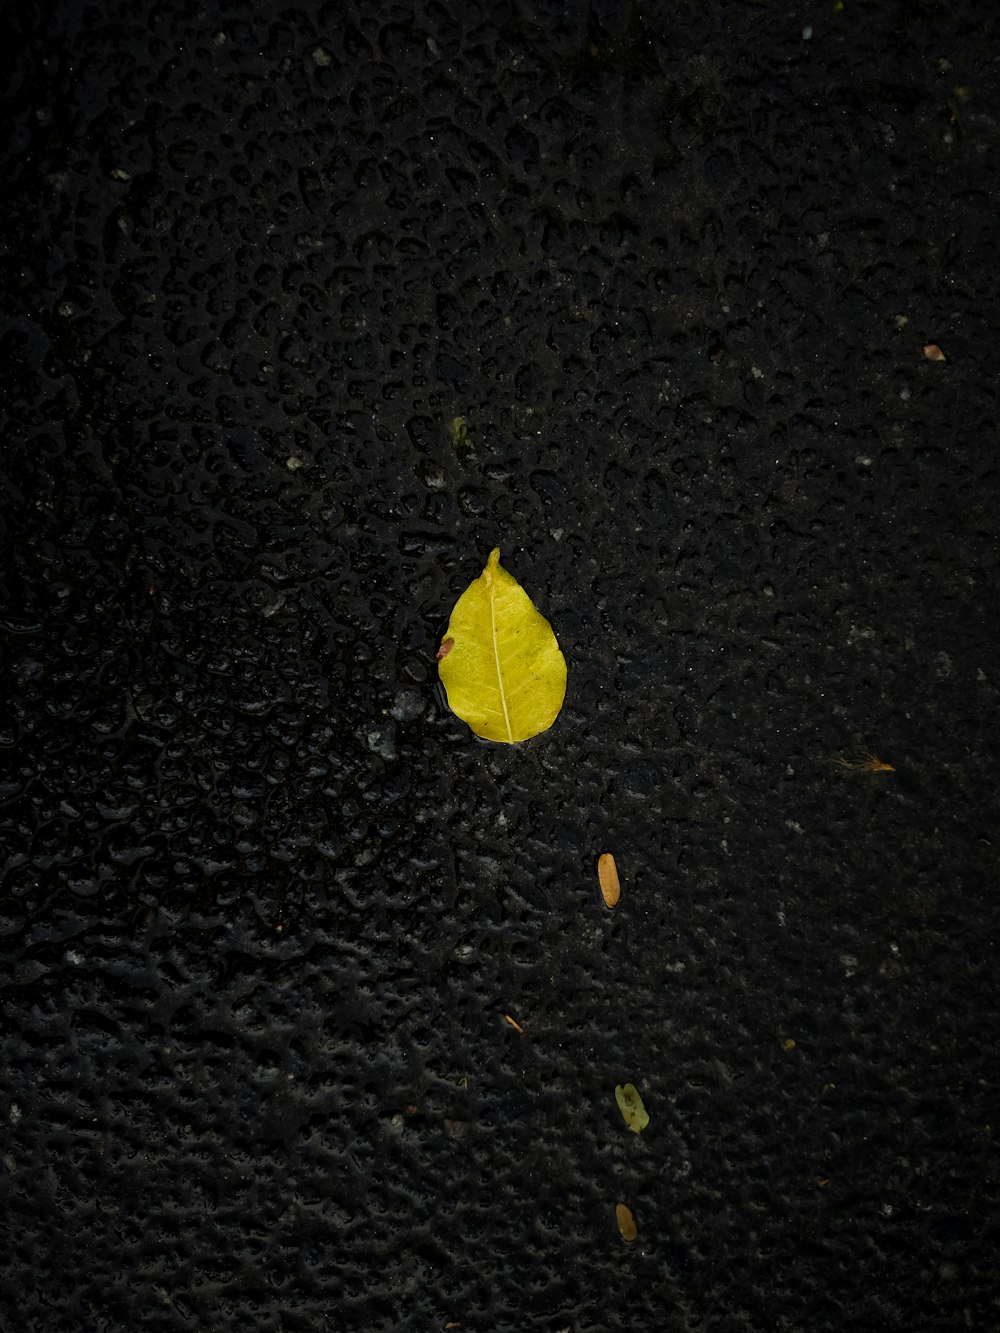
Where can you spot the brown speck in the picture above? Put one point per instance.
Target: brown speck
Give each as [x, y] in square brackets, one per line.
[514, 1024]
[445, 648]
[626, 1222]
[933, 353]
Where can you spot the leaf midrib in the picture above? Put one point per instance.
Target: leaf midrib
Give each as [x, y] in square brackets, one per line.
[496, 661]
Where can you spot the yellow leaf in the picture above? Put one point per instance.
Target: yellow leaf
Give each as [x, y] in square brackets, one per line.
[499, 661]
[631, 1107]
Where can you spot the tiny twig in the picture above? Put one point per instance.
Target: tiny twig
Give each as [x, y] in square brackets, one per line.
[863, 762]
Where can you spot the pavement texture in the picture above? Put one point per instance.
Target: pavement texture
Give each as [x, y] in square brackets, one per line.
[692, 310]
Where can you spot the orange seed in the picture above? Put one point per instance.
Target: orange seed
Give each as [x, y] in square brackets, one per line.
[607, 874]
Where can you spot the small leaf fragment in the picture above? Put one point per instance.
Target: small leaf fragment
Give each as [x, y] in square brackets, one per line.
[631, 1107]
[458, 430]
[607, 876]
[503, 672]
[626, 1222]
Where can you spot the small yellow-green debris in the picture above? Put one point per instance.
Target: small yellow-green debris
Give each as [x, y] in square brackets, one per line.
[631, 1107]
[458, 433]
